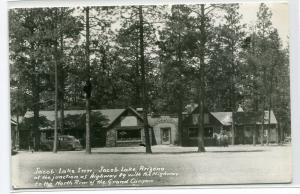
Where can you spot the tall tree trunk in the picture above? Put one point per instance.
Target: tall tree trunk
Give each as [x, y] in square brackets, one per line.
[179, 114]
[180, 90]
[17, 135]
[88, 86]
[201, 147]
[36, 109]
[19, 112]
[201, 90]
[263, 105]
[62, 75]
[35, 102]
[263, 123]
[269, 126]
[256, 129]
[55, 142]
[270, 100]
[232, 97]
[35, 87]
[62, 107]
[281, 133]
[254, 135]
[137, 78]
[233, 128]
[143, 79]
[269, 114]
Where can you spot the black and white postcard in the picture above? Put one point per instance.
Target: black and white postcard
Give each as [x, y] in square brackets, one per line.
[106, 96]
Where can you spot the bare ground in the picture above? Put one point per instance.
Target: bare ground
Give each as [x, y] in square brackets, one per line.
[241, 164]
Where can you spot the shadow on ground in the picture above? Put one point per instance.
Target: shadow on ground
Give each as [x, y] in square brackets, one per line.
[236, 151]
[184, 152]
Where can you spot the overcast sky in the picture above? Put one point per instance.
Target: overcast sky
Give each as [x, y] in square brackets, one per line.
[279, 17]
[248, 10]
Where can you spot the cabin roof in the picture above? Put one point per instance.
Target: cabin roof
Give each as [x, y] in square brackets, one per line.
[225, 118]
[242, 118]
[110, 114]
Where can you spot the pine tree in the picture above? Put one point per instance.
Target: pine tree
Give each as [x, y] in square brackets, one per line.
[31, 55]
[202, 18]
[263, 28]
[224, 67]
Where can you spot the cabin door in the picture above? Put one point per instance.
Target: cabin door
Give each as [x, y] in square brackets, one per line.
[165, 136]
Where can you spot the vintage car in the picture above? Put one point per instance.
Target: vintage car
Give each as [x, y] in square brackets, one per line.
[65, 142]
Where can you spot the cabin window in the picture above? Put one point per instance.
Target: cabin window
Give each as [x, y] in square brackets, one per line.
[129, 134]
[193, 132]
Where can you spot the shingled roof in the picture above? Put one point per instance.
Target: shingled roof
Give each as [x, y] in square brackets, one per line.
[242, 118]
[110, 114]
[225, 118]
